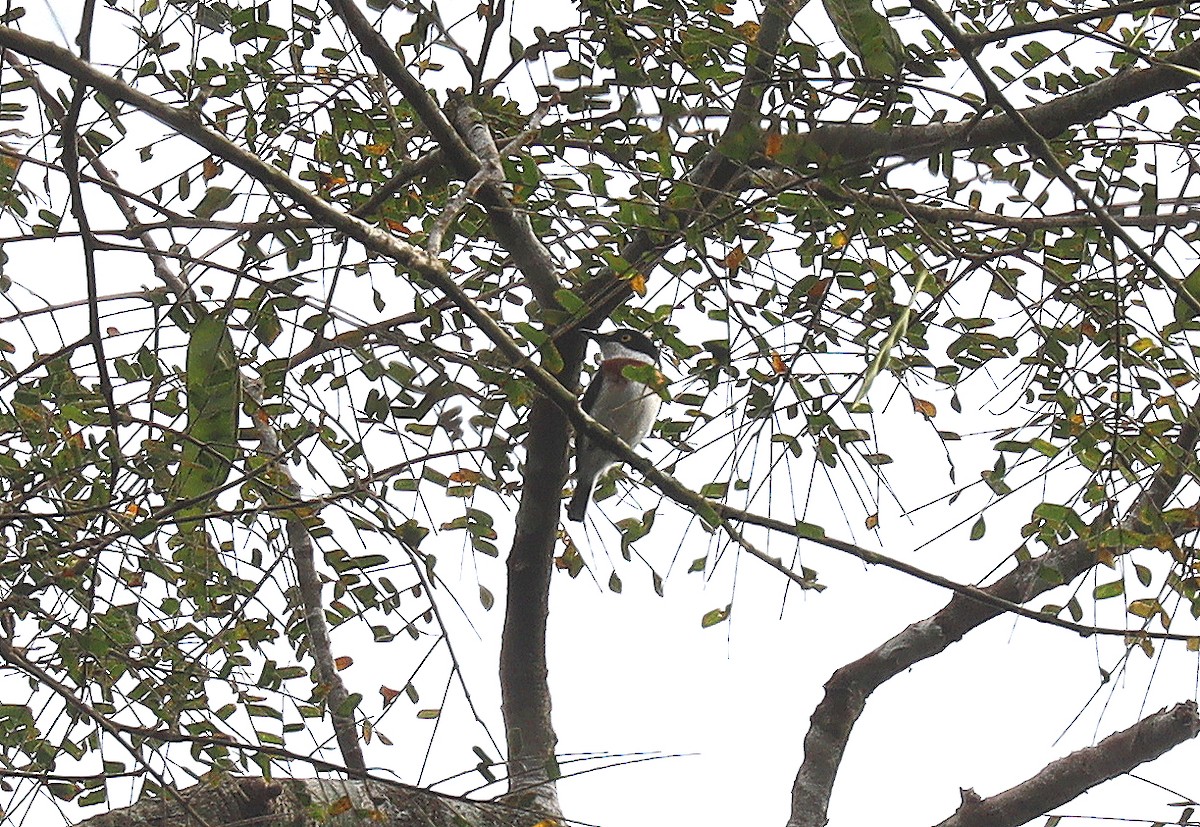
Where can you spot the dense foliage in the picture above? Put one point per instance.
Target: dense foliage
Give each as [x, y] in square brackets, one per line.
[290, 304]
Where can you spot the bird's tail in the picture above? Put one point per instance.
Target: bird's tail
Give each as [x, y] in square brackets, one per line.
[579, 501]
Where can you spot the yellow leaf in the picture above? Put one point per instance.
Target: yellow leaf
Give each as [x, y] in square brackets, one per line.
[343, 662]
[376, 149]
[925, 408]
[367, 731]
[722, 8]
[1193, 644]
[465, 475]
[839, 240]
[637, 283]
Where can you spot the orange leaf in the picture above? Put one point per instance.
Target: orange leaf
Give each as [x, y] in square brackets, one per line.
[376, 149]
[343, 662]
[131, 510]
[465, 475]
[735, 258]
[873, 521]
[749, 30]
[211, 168]
[397, 226]
[367, 731]
[329, 181]
[778, 365]
[637, 282]
[924, 407]
[818, 291]
[774, 145]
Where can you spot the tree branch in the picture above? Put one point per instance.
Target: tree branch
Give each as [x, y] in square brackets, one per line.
[1068, 777]
[856, 143]
[847, 691]
[515, 235]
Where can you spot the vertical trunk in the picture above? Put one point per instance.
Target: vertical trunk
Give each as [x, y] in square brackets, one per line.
[525, 692]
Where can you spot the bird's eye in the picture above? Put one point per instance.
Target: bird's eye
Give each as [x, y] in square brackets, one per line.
[624, 337]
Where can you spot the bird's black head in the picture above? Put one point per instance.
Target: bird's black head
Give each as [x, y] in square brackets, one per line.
[628, 339]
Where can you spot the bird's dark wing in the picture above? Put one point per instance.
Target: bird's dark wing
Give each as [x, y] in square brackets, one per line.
[589, 399]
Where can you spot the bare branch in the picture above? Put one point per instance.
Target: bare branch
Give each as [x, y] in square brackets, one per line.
[847, 691]
[1068, 777]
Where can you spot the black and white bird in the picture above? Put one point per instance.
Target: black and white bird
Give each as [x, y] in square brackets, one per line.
[626, 407]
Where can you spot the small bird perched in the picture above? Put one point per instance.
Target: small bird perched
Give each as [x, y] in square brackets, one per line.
[626, 407]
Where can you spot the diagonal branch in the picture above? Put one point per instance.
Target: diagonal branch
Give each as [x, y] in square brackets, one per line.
[856, 142]
[1068, 777]
[847, 691]
[515, 235]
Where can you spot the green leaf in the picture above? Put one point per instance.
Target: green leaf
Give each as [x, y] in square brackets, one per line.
[979, 529]
[1106, 590]
[714, 616]
[1190, 287]
[809, 531]
[868, 34]
[213, 397]
[214, 200]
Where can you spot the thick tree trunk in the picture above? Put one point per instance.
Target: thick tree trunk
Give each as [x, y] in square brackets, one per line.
[300, 802]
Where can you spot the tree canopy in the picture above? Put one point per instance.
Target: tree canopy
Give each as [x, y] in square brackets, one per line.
[295, 294]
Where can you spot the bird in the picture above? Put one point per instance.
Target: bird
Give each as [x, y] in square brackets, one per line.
[625, 406]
